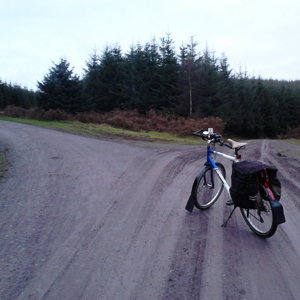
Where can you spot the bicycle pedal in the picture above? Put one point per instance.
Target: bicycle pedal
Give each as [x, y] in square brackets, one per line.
[229, 202]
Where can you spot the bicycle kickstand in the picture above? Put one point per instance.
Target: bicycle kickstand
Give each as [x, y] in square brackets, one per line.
[231, 213]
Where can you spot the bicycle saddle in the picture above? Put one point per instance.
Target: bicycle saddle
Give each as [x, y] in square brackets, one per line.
[235, 145]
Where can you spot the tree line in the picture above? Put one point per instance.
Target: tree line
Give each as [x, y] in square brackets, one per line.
[190, 83]
[13, 94]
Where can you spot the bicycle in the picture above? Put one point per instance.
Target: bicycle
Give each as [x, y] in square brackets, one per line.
[210, 182]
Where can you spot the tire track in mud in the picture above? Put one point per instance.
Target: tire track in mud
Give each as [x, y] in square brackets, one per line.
[233, 263]
[161, 188]
[202, 261]
[186, 269]
[285, 157]
[142, 190]
[288, 168]
[122, 191]
[119, 229]
[215, 263]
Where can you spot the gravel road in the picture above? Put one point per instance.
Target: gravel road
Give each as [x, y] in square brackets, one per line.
[85, 218]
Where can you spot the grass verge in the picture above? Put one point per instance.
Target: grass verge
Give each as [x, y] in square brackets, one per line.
[294, 141]
[103, 130]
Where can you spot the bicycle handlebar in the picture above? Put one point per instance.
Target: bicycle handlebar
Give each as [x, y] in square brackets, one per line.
[205, 135]
[217, 138]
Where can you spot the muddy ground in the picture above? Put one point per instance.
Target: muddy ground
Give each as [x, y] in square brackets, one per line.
[84, 218]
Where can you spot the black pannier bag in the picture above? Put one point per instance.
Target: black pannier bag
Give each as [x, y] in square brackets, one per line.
[247, 181]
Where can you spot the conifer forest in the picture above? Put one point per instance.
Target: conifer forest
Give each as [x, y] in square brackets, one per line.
[155, 76]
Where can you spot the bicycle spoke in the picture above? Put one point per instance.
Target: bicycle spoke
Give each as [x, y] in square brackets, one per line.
[260, 220]
[209, 188]
[210, 182]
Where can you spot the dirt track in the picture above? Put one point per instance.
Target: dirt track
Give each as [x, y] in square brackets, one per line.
[82, 218]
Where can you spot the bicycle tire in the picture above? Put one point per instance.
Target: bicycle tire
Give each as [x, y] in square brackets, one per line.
[209, 187]
[260, 220]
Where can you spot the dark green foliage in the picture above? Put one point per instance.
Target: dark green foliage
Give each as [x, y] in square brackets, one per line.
[60, 89]
[206, 83]
[91, 81]
[286, 97]
[263, 108]
[143, 78]
[192, 84]
[16, 95]
[105, 80]
[169, 75]
[112, 80]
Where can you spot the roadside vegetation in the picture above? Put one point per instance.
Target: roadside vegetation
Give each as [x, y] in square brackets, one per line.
[107, 131]
[129, 120]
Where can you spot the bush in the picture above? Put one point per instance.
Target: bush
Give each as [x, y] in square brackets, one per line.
[156, 122]
[293, 133]
[15, 111]
[37, 113]
[91, 117]
[131, 120]
[56, 115]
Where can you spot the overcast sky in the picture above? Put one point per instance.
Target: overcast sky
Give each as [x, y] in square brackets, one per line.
[261, 36]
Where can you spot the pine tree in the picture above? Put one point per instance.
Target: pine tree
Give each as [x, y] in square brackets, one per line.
[266, 111]
[91, 81]
[143, 66]
[189, 63]
[152, 76]
[224, 88]
[207, 85]
[60, 89]
[170, 91]
[16, 95]
[137, 72]
[112, 89]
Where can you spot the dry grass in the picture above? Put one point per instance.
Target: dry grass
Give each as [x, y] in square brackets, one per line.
[131, 120]
[153, 121]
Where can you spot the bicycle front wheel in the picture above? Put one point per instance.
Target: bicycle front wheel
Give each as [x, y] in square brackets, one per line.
[209, 187]
[260, 220]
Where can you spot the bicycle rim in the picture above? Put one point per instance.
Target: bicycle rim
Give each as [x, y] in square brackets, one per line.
[260, 220]
[209, 188]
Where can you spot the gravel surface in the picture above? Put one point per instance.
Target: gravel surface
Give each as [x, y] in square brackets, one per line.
[84, 218]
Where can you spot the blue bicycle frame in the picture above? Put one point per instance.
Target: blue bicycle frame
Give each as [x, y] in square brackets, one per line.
[210, 162]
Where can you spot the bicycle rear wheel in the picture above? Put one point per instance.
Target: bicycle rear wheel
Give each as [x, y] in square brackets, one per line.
[209, 187]
[260, 220]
